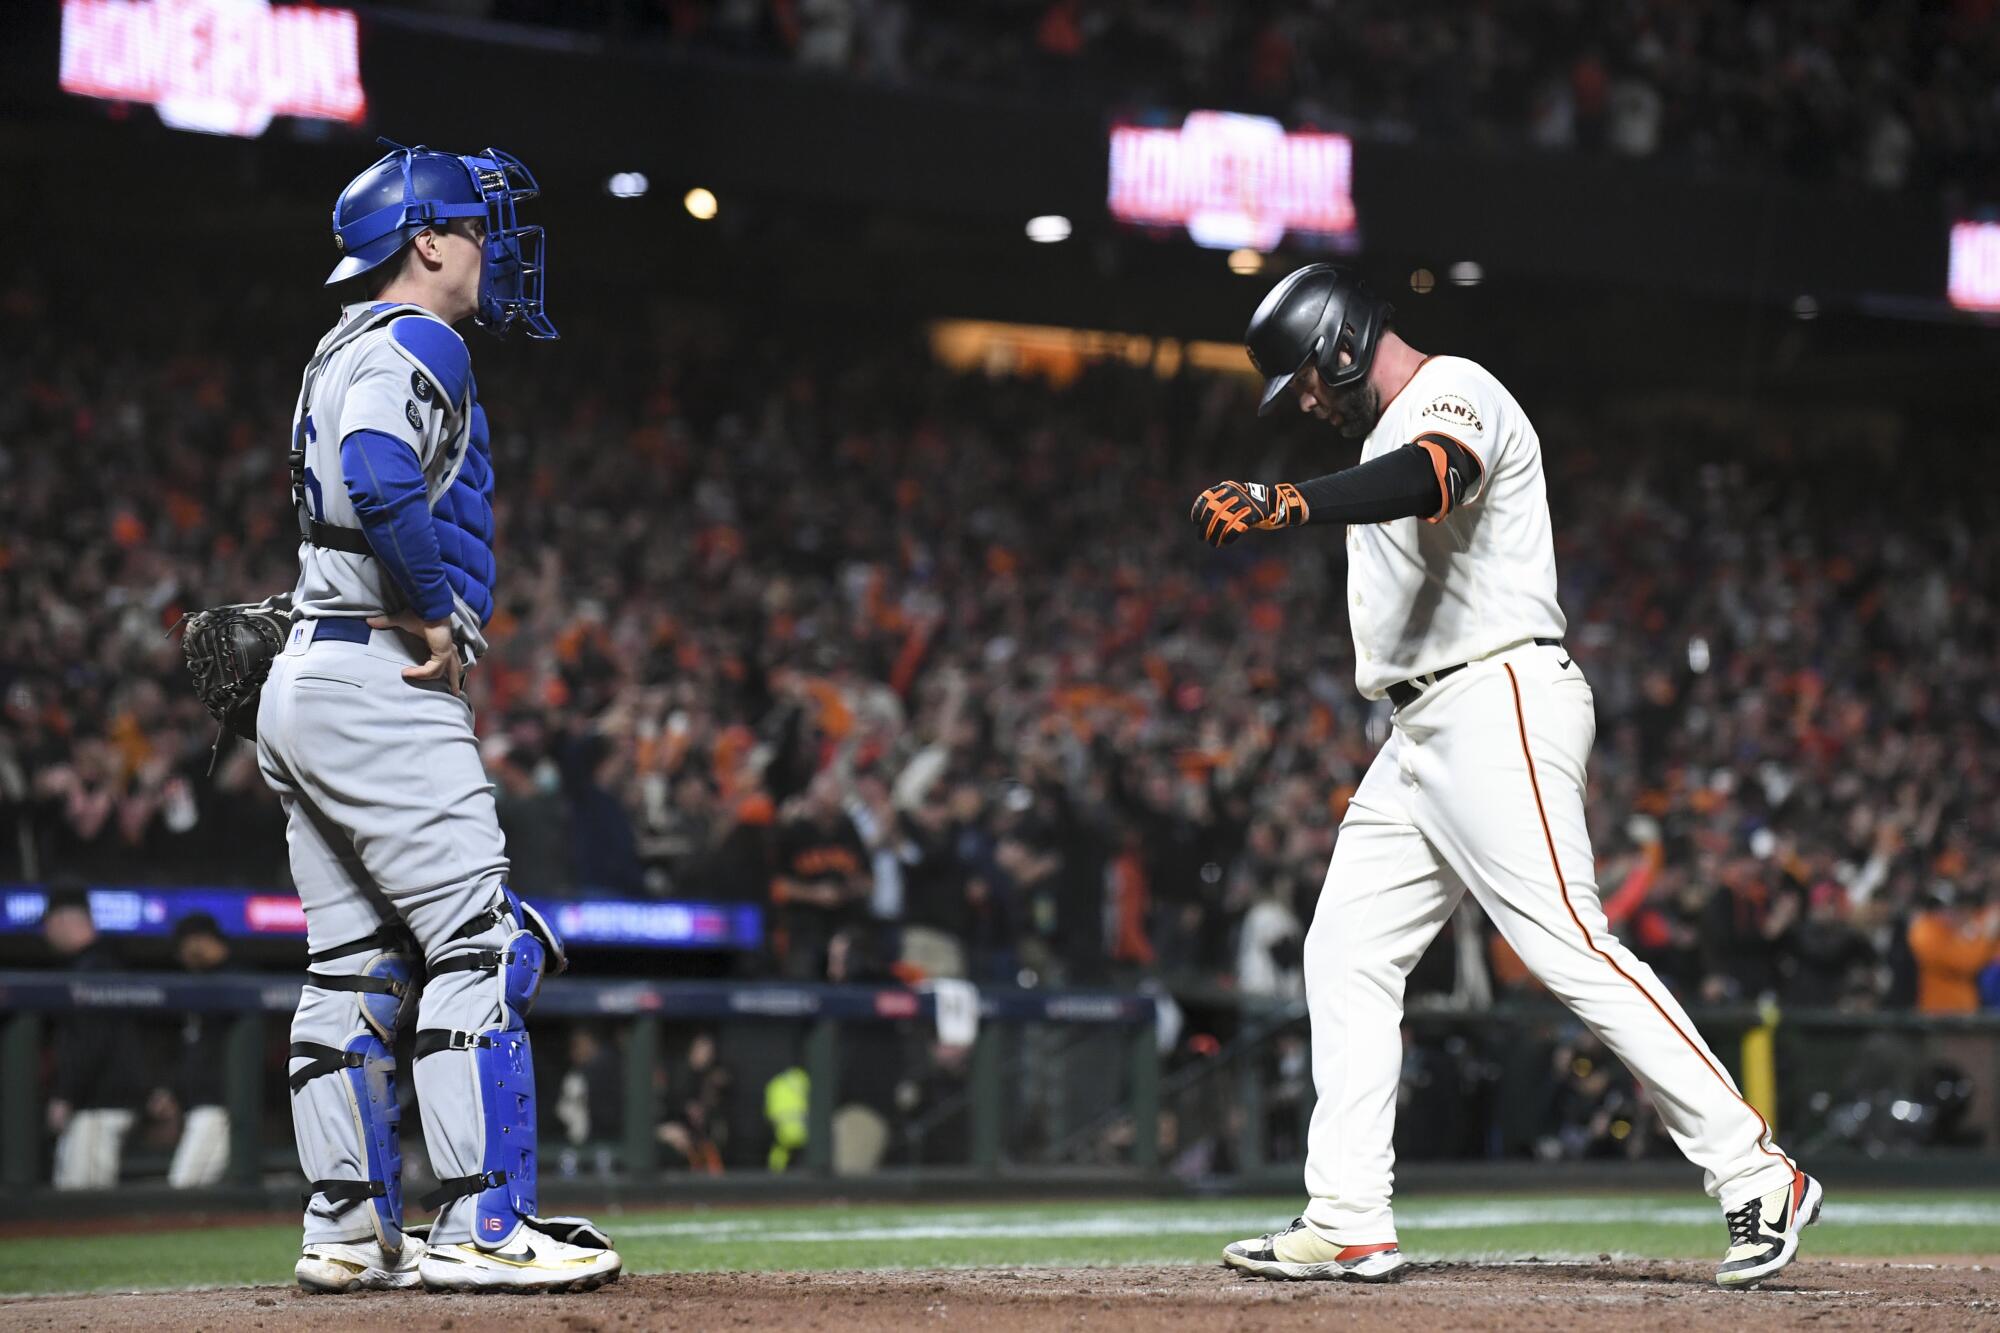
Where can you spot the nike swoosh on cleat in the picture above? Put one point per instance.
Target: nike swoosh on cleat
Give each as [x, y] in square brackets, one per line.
[1564, 664]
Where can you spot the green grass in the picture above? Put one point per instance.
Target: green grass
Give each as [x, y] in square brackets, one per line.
[822, 1236]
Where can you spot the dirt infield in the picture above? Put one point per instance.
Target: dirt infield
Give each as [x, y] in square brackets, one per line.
[1827, 1294]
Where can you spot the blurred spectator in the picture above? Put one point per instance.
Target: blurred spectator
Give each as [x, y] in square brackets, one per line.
[1270, 949]
[695, 1120]
[1596, 1108]
[1954, 940]
[787, 1107]
[821, 879]
[590, 1101]
[934, 1108]
[872, 1061]
[1744, 929]
[194, 1097]
[876, 824]
[99, 1076]
[604, 849]
[937, 916]
[533, 814]
[1831, 963]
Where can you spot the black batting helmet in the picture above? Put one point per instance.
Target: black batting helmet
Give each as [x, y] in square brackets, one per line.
[1306, 320]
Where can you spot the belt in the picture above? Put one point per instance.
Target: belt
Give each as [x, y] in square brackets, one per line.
[1404, 692]
[341, 629]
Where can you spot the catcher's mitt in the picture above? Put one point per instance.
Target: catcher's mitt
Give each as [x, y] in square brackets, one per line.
[229, 651]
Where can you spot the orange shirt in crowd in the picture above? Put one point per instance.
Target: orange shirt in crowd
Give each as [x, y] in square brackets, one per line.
[1949, 957]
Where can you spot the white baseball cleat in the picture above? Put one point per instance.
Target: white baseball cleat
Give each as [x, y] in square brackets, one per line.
[544, 1254]
[1300, 1253]
[1764, 1233]
[328, 1268]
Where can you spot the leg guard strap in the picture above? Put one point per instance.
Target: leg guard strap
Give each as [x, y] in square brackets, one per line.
[325, 1060]
[478, 924]
[430, 1041]
[394, 938]
[345, 1193]
[458, 1187]
[474, 960]
[361, 984]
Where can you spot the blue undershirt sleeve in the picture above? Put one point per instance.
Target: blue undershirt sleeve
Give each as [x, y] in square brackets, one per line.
[386, 485]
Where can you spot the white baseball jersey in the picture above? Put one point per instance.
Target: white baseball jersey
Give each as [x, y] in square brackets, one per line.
[363, 378]
[1425, 595]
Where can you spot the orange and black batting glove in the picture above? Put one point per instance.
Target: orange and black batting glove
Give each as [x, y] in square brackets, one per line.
[1228, 509]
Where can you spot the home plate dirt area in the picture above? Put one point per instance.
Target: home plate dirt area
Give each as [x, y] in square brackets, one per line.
[1625, 1294]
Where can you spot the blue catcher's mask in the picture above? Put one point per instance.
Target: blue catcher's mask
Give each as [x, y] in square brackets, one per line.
[410, 189]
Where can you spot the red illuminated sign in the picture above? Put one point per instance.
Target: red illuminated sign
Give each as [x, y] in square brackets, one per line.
[272, 914]
[1973, 281]
[217, 66]
[1233, 180]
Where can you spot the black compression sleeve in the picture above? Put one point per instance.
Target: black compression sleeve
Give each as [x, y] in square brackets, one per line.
[1426, 479]
[1399, 485]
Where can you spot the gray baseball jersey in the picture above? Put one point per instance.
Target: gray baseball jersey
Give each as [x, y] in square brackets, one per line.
[377, 370]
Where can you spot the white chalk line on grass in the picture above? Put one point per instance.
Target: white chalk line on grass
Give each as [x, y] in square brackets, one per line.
[1037, 1269]
[1416, 1218]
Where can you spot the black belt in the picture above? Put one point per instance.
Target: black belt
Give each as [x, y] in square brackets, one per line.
[1404, 692]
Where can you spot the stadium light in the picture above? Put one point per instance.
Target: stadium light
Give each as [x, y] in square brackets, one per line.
[1805, 307]
[700, 204]
[1423, 281]
[627, 185]
[1465, 273]
[1048, 229]
[1245, 262]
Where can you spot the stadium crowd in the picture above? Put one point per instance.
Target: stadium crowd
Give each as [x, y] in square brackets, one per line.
[932, 665]
[1891, 95]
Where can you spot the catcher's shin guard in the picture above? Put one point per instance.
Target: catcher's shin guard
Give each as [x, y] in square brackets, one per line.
[377, 972]
[504, 1188]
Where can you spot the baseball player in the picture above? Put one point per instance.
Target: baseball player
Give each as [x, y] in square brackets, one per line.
[1451, 592]
[364, 734]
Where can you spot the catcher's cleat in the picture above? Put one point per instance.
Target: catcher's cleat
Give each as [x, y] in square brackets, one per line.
[1764, 1233]
[329, 1268]
[533, 1260]
[1300, 1253]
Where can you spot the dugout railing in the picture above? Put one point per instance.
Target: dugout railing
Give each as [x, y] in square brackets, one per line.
[1061, 1081]
[1122, 1027]
[1856, 1084]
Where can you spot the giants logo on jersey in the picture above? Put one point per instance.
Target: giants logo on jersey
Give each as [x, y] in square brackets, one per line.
[1450, 408]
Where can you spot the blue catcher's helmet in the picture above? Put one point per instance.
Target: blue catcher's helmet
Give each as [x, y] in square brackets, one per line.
[410, 189]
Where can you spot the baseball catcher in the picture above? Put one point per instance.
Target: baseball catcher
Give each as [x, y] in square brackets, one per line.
[363, 732]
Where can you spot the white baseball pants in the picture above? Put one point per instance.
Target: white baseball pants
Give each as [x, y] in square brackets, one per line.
[1481, 786]
[202, 1155]
[89, 1149]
